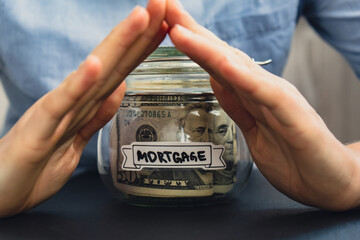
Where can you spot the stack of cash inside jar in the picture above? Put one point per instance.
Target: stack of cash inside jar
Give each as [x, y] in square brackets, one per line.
[171, 122]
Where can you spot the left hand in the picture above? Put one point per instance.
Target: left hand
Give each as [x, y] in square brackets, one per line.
[41, 151]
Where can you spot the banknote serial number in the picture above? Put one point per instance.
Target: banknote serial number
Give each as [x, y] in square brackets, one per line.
[148, 114]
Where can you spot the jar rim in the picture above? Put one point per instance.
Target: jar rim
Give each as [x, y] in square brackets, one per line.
[168, 71]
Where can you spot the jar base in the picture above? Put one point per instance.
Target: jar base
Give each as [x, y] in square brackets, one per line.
[175, 202]
[145, 201]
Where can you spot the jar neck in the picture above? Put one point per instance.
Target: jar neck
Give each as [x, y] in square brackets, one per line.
[173, 98]
[168, 71]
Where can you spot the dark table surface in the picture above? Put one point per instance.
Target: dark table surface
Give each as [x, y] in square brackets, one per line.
[84, 209]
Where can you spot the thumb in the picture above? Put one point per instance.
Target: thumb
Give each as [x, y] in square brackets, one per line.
[104, 114]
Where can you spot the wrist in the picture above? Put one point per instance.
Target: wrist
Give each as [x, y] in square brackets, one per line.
[353, 191]
[346, 194]
[337, 185]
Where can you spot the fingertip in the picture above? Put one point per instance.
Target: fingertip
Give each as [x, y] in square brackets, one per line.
[92, 67]
[177, 14]
[181, 29]
[93, 61]
[174, 11]
[140, 17]
[86, 75]
[180, 35]
[137, 10]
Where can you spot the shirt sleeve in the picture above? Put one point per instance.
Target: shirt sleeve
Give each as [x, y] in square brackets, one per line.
[338, 23]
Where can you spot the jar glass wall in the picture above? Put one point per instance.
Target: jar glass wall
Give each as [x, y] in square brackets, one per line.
[170, 143]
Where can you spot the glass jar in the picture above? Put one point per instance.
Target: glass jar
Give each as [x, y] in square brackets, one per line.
[170, 143]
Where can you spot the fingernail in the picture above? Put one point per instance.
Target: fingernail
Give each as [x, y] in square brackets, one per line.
[136, 8]
[182, 29]
[89, 59]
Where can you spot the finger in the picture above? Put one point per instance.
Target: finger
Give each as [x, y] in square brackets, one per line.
[41, 120]
[54, 106]
[136, 55]
[239, 73]
[263, 90]
[111, 51]
[217, 58]
[122, 37]
[146, 43]
[106, 111]
[176, 14]
[88, 121]
[141, 50]
[143, 47]
[233, 107]
[152, 37]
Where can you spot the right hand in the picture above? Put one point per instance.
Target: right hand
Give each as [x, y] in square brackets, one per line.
[288, 140]
[41, 151]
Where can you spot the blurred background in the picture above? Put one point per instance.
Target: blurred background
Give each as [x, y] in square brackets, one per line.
[321, 75]
[326, 80]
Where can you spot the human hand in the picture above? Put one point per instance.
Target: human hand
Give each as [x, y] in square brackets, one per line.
[288, 140]
[42, 150]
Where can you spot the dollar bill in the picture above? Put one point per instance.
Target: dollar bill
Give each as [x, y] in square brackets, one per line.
[172, 118]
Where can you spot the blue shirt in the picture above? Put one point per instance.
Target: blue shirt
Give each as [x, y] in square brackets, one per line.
[42, 41]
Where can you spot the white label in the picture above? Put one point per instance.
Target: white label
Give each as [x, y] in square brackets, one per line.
[172, 155]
